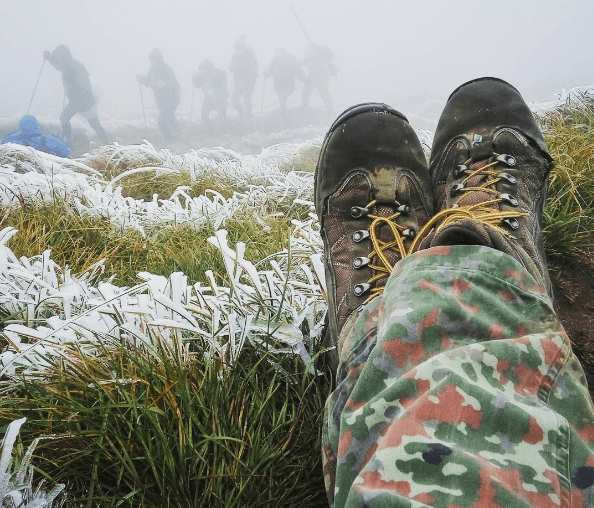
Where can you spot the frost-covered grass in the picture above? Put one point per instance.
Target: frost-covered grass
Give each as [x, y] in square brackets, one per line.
[81, 241]
[569, 211]
[16, 489]
[185, 389]
[162, 316]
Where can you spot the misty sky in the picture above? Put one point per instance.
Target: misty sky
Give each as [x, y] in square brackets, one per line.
[411, 54]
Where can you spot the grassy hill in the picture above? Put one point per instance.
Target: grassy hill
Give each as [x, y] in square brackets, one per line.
[146, 412]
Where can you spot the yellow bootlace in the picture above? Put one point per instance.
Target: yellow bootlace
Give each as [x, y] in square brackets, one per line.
[380, 247]
[484, 212]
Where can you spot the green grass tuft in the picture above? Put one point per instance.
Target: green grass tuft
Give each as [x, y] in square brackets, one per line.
[569, 211]
[160, 426]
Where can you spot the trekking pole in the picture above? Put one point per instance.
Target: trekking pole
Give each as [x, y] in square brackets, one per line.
[142, 102]
[36, 83]
[192, 103]
[263, 93]
[301, 25]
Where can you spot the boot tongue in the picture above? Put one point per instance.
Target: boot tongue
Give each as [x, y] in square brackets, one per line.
[470, 232]
[464, 232]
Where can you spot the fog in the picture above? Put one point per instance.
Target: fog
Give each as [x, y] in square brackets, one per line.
[410, 54]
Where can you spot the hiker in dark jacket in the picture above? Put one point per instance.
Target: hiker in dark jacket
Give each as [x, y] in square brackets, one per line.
[166, 89]
[30, 135]
[284, 70]
[244, 67]
[318, 60]
[213, 82]
[78, 90]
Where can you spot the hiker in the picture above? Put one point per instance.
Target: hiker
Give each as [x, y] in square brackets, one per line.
[318, 60]
[166, 90]
[284, 70]
[244, 67]
[456, 383]
[30, 135]
[213, 82]
[82, 99]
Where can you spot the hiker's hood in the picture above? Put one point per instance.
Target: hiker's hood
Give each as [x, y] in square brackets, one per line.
[29, 126]
[62, 54]
[155, 56]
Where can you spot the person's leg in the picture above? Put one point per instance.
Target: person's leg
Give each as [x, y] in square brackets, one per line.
[306, 93]
[222, 110]
[65, 117]
[282, 100]
[165, 123]
[236, 97]
[98, 128]
[207, 107]
[172, 122]
[248, 93]
[326, 97]
[167, 120]
[162, 122]
[457, 386]
[283, 92]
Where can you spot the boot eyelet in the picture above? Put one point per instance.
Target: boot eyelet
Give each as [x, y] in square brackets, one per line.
[361, 289]
[405, 209]
[361, 262]
[359, 236]
[409, 233]
[509, 160]
[511, 222]
[459, 169]
[509, 178]
[358, 211]
[456, 188]
[509, 199]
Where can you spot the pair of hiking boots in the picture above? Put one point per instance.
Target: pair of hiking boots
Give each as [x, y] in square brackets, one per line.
[378, 201]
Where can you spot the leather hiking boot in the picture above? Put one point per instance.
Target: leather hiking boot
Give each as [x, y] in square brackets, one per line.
[489, 167]
[372, 194]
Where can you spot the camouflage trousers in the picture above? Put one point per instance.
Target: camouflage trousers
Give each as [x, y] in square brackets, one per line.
[458, 388]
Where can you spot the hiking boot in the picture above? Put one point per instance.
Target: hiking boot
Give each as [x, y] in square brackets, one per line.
[372, 194]
[489, 167]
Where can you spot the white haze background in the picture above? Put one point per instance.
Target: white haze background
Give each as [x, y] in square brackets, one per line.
[411, 54]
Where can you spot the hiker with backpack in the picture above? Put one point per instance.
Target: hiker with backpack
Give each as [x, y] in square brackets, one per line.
[284, 70]
[82, 99]
[166, 90]
[244, 67]
[318, 61]
[213, 82]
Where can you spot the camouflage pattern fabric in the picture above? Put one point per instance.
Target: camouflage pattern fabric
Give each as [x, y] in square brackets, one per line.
[458, 388]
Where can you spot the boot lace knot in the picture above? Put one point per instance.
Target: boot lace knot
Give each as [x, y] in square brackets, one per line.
[476, 197]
